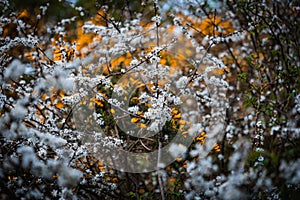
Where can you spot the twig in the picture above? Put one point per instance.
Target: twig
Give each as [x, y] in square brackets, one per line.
[144, 145]
[157, 44]
[110, 21]
[158, 174]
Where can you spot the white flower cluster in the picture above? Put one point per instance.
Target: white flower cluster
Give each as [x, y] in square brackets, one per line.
[159, 112]
[118, 90]
[134, 63]
[217, 62]
[182, 82]
[9, 43]
[233, 37]
[98, 118]
[154, 53]
[71, 100]
[133, 109]
[153, 71]
[111, 141]
[68, 177]
[217, 82]
[115, 102]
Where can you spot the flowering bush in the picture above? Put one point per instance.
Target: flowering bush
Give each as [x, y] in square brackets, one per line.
[150, 100]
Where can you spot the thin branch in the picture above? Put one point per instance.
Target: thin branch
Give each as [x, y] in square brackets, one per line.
[157, 42]
[161, 186]
[109, 21]
[147, 148]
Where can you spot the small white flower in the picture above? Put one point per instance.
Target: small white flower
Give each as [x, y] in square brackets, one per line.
[134, 63]
[156, 19]
[260, 158]
[154, 59]
[133, 109]
[177, 101]
[258, 124]
[182, 82]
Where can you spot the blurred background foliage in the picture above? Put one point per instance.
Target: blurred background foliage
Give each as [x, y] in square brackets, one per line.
[268, 67]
